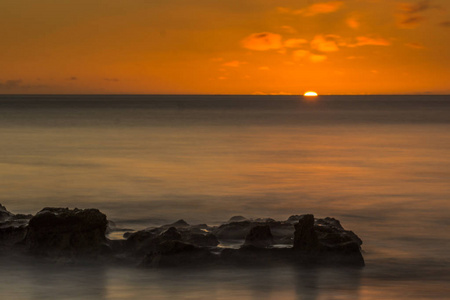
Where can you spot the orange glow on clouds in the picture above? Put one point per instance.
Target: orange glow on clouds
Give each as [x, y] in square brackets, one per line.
[341, 47]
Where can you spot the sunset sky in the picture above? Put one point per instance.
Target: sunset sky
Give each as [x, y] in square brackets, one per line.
[224, 47]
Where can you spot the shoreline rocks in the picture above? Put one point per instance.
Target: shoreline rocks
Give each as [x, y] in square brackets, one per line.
[63, 234]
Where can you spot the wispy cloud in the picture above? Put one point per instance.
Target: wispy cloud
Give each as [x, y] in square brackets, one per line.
[415, 45]
[295, 43]
[445, 24]
[17, 84]
[299, 55]
[288, 29]
[10, 84]
[234, 63]
[262, 41]
[313, 9]
[410, 15]
[325, 43]
[369, 41]
[353, 22]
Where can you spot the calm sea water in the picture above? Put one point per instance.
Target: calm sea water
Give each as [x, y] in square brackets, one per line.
[380, 164]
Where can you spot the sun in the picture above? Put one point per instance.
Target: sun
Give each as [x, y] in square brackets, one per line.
[310, 94]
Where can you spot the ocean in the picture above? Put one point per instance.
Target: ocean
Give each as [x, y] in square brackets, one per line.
[379, 164]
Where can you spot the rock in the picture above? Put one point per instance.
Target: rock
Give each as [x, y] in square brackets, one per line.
[170, 234]
[57, 232]
[282, 232]
[237, 219]
[4, 214]
[331, 232]
[180, 223]
[305, 237]
[178, 254]
[13, 228]
[202, 240]
[259, 236]
[294, 219]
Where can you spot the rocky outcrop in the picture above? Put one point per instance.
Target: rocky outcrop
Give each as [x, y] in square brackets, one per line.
[74, 234]
[59, 232]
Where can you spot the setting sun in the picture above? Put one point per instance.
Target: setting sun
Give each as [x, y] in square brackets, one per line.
[310, 94]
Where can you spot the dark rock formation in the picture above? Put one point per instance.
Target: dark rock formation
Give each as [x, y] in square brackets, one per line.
[259, 236]
[70, 235]
[282, 232]
[237, 219]
[13, 228]
[59, 232]
[4, 214]
[305, 237]
[178, 254]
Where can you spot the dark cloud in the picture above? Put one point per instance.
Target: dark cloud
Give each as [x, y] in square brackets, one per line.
[72, 78]
[10, 84]
[16, 84]
[419, 7]
[445, 24]
[410, 15]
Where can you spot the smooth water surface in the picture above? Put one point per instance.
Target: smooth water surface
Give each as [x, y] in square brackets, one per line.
[380, 164]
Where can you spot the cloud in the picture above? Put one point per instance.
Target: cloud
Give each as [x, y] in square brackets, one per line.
[262, 41]
[316, 58]
[299, 54]
[410, 15]
[445, 24]
[288, 29]
[313, 9]
[368, 41]
[17, 84]
[11, 84]
[415, 45]
[352, 22]
[264, 68]
[325, 43]
[72, 78]
[412, 8]
[312, 57]
[111, 79]
[295, 43]
[234, 64]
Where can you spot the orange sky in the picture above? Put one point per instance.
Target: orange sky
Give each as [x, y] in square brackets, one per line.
[225, 47]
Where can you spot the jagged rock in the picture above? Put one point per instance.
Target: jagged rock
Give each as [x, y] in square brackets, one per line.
[5, 214]
[178, 224]
[237, 219]
[58, 232]
[330, 232]
[259, 236]
[305, 237]
[13, 228]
